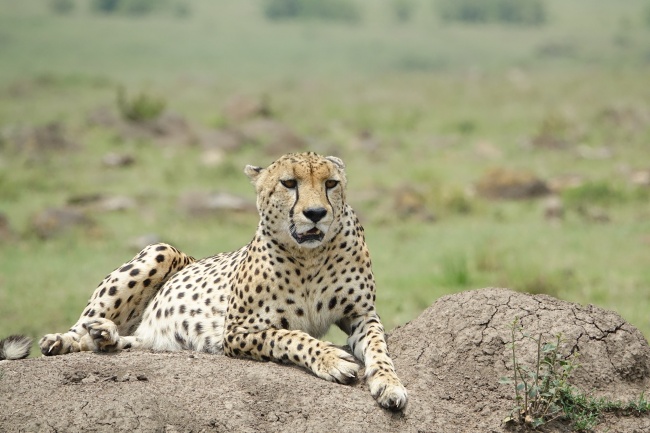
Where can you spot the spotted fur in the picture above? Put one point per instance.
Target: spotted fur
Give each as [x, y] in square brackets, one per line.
[307, 268]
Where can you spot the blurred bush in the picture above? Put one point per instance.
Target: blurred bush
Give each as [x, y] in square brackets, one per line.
[139, 7]
[333, 10]
[403, 10]
[597, 192]
[140, 108]
[522, 12]
[62, 7]
[554, 132]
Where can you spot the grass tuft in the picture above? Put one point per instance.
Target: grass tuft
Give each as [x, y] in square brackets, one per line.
[543, 393]
[140, 108]
[599, 192]
[456, 271]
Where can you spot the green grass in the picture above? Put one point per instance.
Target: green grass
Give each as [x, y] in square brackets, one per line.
[543, 392]
[432, 94]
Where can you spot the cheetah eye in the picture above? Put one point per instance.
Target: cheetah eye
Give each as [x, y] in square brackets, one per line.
[331, 183]
[289, 183]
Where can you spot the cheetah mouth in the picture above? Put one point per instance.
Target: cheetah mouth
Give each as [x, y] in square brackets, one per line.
[310, 235]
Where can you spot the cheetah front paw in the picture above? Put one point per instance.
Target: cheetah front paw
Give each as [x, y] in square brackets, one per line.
[58, 344]
[336, 365]
[102, 336]
[389, 393]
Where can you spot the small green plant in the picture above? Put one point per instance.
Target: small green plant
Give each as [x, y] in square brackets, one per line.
[140, 108]
[543, 393]
[457, 202]
[538, 389]
[554, 133]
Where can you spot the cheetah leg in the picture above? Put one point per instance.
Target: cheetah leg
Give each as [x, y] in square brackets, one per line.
[323, 358]
[119, 299]
[366, 338]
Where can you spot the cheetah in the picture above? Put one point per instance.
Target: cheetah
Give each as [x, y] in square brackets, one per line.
[307, 268]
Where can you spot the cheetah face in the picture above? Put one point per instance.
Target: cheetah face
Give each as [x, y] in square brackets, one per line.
[300, 198]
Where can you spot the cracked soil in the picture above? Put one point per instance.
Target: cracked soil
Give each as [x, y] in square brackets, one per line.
[450, 359]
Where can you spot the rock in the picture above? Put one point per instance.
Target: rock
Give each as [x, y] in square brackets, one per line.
[450, 358]
[243, 107]
[226, 140]
[102, 116]
[102, 203]
[519, 79]
[502, 183]
[169, 128]
[38, 139]
[588, 152]
[138, 243]
[368, 143]
[640, 177]
[113, 159]
[486, 150]
[593, 214]
[408, 202]
[633, 118]
[553, 208]
[212, 158]
[52, 221]
[171, 124]
[274, 137]
[84, 199]
[560, 183]
[199, 203]
[6, 233]
[115, 203]
[51, 137]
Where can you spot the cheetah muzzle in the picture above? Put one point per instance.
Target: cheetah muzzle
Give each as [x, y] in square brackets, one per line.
[311, 235]
[307, 268]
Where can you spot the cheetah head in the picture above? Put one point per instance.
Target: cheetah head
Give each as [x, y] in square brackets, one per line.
[300, 198]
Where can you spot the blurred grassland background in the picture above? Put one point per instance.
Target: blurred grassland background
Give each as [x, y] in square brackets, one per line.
[487, 142]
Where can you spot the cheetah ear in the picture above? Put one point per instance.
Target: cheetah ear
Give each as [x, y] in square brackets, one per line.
[252, 172]
[337, 162]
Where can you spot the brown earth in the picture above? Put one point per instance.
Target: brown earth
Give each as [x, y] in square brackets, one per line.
[508, 184]
[450, 359]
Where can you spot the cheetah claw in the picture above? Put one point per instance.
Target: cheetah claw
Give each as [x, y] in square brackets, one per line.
[57, 344]
[103, 335]
[337, 366]
[389, 396]
[49, 347]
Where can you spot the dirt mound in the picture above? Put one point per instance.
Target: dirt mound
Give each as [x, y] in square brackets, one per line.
[502, 183]
[450, 359]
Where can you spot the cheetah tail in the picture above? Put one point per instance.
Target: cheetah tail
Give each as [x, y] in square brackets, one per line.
[15, 347]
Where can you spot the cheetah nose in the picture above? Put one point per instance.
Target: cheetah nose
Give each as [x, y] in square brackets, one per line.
[315, 214]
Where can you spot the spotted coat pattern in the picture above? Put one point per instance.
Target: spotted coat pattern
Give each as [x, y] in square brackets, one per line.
[307, 268]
